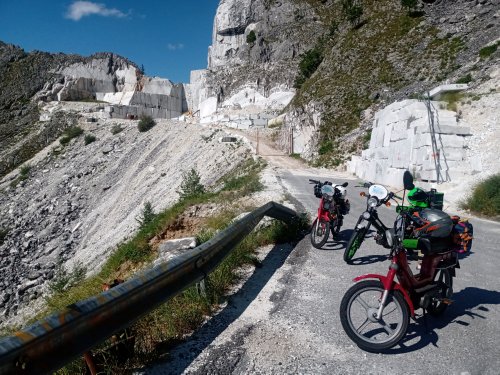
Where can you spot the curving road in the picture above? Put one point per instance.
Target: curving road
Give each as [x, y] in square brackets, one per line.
[285, 318]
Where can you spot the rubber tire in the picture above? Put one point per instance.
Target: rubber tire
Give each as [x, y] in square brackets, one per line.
[319, 244]
[369, 346]
[334, 228]
[357, 238]
[438, 309]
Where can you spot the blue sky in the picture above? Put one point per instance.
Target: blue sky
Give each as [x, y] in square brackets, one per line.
[170, 38]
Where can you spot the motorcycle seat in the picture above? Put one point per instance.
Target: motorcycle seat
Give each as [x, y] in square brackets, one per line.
[431, 245]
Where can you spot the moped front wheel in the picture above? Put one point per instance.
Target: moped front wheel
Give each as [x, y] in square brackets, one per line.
[358, 315]
[319, 233]
[354, 243]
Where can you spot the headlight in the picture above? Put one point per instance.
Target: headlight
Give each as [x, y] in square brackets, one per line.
[366, 215]
[372, 202]
[328, 197]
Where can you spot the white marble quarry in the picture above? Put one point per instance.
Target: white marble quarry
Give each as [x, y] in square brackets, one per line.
[196, 91]
[229, 31]
[112, 79]
[208, 107]
[161, 86]
[401, 140]
[435, 92]
[249, 96]
[98, 70]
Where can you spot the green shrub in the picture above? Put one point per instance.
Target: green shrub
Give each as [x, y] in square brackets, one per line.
[311, 60]
[353, 10]
[251, 37]
[89, 138]
[488, 51]
[485, 198]
[146, 123]
[70, 133]
[116, 129]
[24, 172]
[3, 234]
[147, 215]
[367, 138]
[452, 99]
[190, 185]
[325, 147]
[65, 279]
[465, 79]
[409, 4]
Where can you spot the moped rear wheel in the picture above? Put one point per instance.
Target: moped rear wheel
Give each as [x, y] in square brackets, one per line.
[358, 311]
[443, 278]
[319, 233]
[354, 243]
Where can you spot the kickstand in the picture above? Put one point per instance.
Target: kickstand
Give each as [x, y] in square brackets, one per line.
[426, 324]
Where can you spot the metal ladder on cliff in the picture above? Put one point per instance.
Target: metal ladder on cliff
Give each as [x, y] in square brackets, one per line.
[435, 150]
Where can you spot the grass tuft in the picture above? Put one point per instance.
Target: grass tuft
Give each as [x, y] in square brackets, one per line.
[70, 133]
[485, 198]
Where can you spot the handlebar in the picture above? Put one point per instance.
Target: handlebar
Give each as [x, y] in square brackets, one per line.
[365, 185]
[319, 182]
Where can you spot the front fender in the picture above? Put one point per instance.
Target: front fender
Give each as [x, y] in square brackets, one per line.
[322, 214]
[395, 285]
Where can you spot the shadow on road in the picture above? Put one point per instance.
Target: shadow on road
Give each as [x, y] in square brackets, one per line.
[468, 303]
[339, 241]
[368, 259]
[181, 356]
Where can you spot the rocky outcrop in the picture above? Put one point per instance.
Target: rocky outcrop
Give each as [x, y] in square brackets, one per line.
[256, 44]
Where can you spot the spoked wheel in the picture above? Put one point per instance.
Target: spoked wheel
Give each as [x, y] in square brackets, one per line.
[354, 243]
[358, 311]
[319, 233]
[443, 278]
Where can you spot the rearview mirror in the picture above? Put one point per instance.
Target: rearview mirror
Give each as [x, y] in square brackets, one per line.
[345, 184]
[408, 181]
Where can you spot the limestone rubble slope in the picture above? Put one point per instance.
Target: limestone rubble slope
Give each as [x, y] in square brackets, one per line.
[77, 204]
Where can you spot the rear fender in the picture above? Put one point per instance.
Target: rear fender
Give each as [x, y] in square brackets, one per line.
[395, 285]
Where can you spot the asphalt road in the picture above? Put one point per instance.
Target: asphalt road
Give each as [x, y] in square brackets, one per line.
[285, 319]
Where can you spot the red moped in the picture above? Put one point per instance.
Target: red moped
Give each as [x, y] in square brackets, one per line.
[375, 311]
[332, 208]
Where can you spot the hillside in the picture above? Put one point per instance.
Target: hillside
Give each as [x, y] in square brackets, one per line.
[73, 204]
[22, 76]
[389, 54]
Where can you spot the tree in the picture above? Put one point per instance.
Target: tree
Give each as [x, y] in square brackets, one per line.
[410, 4]
[190, 185]
[311, 60]
[142, 70]
[251, 37]
[147, 215]
[353, 10]
[145, 123]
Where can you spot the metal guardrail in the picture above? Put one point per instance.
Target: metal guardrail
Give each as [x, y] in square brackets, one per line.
[50, 343]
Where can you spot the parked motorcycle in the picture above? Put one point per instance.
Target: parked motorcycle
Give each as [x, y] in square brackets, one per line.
[375, 311]
[332, 208]
[378, 196]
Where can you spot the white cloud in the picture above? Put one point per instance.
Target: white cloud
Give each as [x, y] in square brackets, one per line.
[175, 46]
[80, 9]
